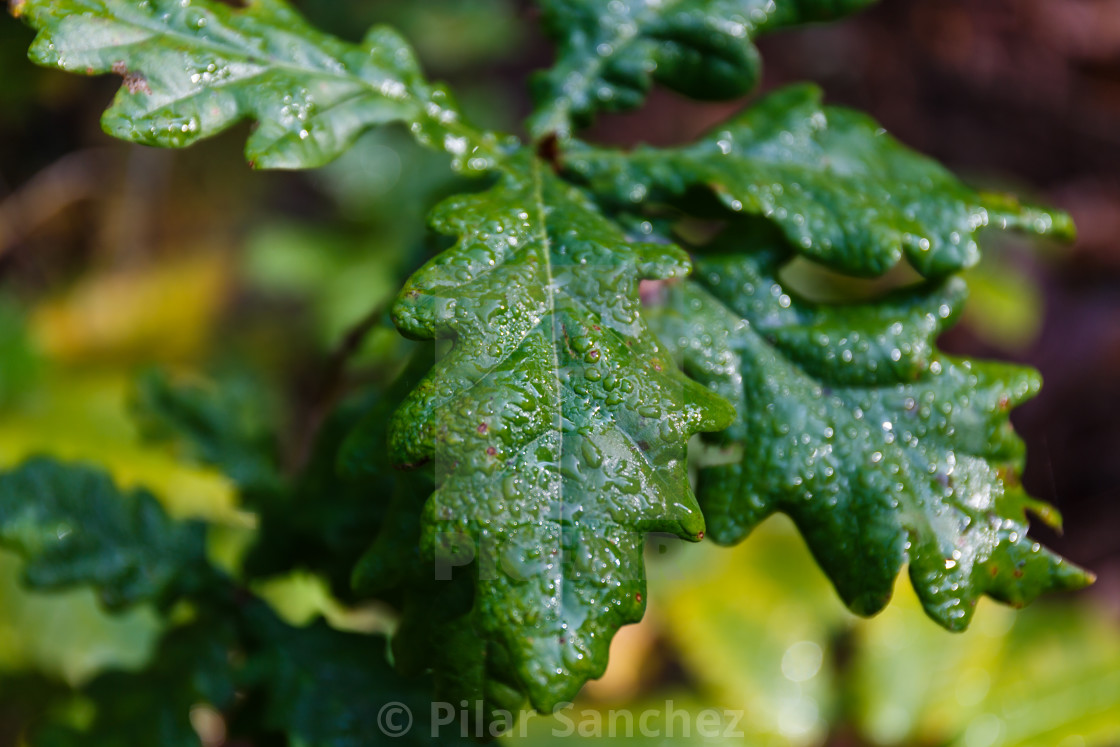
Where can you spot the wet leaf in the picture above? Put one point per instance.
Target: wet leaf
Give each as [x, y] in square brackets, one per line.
[192, 69]
[557, 425]
[881, 448]
[610, 52]
[843, 191]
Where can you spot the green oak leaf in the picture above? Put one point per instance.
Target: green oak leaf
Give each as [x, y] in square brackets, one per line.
[73, 527]
[610, 51]
[881, 448]
[843, 191]
[193, 68]
[557, 425]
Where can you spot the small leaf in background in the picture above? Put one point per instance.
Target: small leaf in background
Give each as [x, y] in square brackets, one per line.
[328, 688]
[342, 278]
[451, 35]
[20, 363]
[755, 625]
[844, 192]
[74, 527]
[1006, 306]
[299, 598]
[323, 519]
[67, 635]
[610, 52]
[1046, 676]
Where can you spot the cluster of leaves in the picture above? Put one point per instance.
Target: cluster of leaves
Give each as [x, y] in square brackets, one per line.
[552, 437]
[223, 647]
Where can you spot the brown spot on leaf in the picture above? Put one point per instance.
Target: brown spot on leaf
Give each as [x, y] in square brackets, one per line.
[482, 427]
[1009, 477]
[491, 450]
[134, 82]
[405, 466]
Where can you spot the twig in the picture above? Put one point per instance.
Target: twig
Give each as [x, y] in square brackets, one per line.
[69, 180]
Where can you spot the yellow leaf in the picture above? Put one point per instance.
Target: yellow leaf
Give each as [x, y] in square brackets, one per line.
[84, 417]
[162, 312]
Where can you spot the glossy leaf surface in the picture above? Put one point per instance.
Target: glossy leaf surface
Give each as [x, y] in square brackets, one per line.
[882, 449]
[192, 69]
[611, 51]
[557, 424]
[842, 190]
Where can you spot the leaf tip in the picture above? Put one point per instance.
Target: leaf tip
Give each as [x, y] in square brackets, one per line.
[869, 603]
[1046, 513]
[1064, 228]
[1072, 577]
[15, 7]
